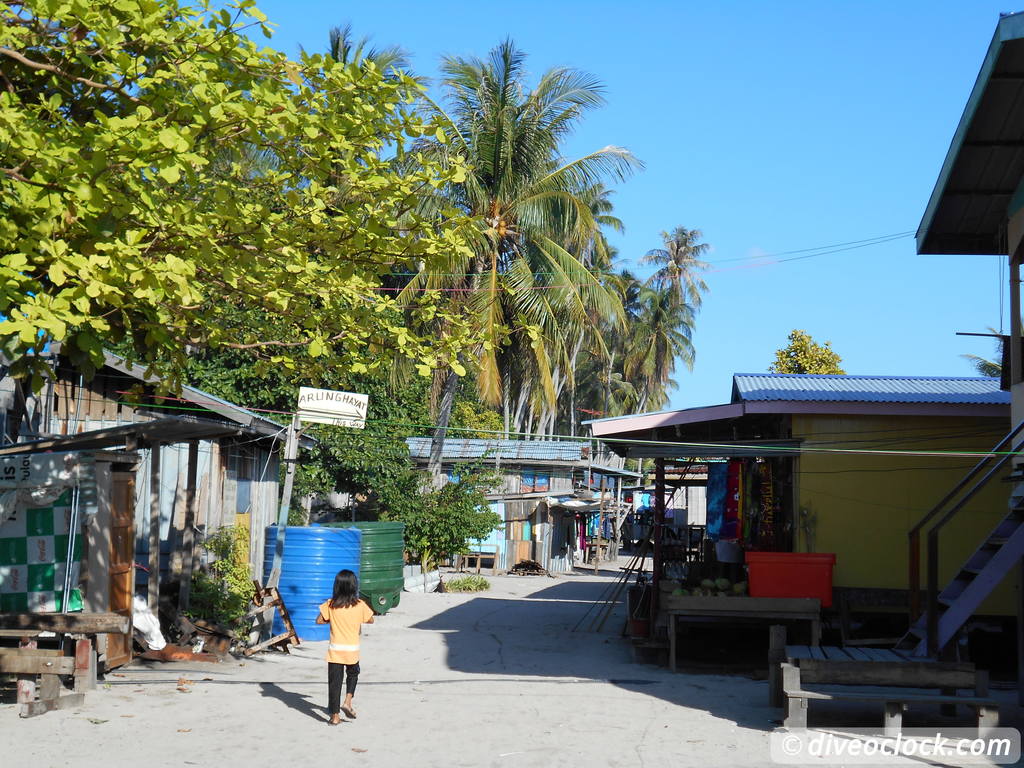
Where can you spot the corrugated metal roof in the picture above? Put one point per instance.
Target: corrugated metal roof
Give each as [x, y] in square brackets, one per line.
[506, 450]
[868, 389]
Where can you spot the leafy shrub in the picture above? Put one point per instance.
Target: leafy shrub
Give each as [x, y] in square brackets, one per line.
[221, 593]
[471, 583]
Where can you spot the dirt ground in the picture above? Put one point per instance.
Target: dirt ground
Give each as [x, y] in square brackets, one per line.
[490, 679]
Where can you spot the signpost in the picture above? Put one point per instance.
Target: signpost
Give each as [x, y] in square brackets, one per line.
[323, 406]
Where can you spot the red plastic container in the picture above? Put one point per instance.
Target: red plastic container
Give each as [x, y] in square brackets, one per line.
[791, 574]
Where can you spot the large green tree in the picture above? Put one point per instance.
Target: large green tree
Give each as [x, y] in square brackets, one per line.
[804, 355]
[131, 210]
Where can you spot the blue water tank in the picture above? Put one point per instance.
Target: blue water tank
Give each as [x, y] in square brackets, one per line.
[312, 558]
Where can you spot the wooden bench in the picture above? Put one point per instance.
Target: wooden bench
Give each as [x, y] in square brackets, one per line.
[28, 661]
[473, 559]
[861, 671]
[894, 701]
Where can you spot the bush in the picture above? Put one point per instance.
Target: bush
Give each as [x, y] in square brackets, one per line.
[222, 592]
[471, 583]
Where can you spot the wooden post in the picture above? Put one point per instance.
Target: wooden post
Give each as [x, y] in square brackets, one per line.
[291, 452]
[600, 527]
[1015, 327]
[153, 585]
[1020, 634]
[187, 536]
[26, 683]
[176, 529]
[776, 658]
[659, 522]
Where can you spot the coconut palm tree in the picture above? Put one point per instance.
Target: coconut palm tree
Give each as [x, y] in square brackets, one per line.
[660, 336]
[344, 48]
[524, 281]
[679, 264]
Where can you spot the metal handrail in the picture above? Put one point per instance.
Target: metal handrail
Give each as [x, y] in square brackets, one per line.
[913, 537]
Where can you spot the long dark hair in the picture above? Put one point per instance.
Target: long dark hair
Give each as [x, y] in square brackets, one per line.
[346, 590]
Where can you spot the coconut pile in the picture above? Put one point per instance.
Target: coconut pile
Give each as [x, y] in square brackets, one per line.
[708, 588]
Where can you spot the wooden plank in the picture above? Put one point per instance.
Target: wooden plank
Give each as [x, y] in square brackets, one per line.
[834, 653]
[32, 652]
[755, 605]
[85, 666]
[37, 665]
[153, 583]
[798, 651]
[853, 694]
[70, 623]
[884, 654]
[875, 654]
[816, 652]
[885, 673]
[49, 687]
[857, 654]
[121, 580]
[188, 540]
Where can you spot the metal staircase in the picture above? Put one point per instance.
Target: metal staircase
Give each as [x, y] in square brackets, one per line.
[947, 610]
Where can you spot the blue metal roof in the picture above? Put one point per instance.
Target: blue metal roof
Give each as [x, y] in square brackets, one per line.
[459, 449]
[868, 389]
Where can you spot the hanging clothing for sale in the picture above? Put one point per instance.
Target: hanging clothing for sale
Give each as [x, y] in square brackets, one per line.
[717, 477]
[732, 523]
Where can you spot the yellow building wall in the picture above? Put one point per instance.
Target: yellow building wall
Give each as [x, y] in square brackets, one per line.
[862, 506]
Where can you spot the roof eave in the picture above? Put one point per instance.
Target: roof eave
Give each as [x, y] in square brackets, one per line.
[1009, 28]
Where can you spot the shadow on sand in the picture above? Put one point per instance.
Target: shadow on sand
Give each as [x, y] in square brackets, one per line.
[297, 701]
[531, 636]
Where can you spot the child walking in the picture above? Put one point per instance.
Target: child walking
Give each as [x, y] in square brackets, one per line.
[345, 612]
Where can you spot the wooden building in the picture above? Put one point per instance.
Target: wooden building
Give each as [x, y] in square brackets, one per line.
[537, 476]
[856, 462]
[192, 446]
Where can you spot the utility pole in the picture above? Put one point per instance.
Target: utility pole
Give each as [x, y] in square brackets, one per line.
[291, 453]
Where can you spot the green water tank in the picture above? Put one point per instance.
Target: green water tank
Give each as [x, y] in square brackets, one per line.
[381, 562]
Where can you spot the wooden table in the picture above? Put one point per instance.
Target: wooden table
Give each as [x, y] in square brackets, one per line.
[739, 610]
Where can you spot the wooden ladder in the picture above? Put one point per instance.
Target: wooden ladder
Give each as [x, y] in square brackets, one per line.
[266, 599]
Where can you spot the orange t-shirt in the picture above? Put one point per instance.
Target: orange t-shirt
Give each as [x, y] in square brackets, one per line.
[345, 627]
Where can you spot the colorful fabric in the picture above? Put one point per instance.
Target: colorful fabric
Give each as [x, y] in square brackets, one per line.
[33, 559]
[732, 523]
[717, 476]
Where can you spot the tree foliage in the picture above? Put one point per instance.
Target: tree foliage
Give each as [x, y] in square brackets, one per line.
[804, 355]
[372, 462]
[130, 210]
[449, 517]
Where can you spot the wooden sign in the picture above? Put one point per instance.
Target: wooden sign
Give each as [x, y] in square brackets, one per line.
[326, 406]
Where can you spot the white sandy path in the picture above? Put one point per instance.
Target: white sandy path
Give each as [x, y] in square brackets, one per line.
[496, 679]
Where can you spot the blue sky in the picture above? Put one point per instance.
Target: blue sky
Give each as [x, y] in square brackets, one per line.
[771, 127]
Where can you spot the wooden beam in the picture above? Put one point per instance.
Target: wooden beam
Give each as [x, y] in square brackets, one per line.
[12, 664]
[188, 539]
[153, 586]
[69, 623]
[1015, 327]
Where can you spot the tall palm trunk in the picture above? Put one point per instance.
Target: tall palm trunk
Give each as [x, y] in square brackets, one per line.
[444, 415]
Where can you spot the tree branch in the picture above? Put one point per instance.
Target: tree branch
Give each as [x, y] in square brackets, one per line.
[11, 54]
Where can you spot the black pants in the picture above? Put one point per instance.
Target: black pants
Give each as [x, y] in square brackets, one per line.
[336, 673]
